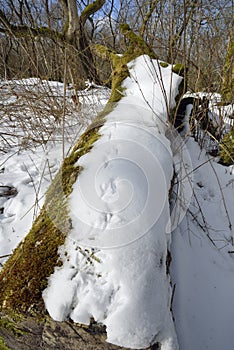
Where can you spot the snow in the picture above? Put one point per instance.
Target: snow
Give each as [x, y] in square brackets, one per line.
[30, 173]
[121, 221]
[114, 269]
[202, 271]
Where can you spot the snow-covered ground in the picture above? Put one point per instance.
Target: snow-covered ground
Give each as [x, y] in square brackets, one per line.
[29, 173]
[113, 268]
[203, 258]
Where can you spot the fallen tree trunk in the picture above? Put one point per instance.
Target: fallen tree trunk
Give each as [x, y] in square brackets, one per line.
[25, 323]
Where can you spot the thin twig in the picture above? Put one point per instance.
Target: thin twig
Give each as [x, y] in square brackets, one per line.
[64, 101]
[5, 256]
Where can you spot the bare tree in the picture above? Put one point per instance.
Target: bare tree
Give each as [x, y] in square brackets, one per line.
[32, 21]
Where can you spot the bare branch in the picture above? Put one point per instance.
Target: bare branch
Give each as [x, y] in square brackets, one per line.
[91, 9]
[147, 16]
[24, 30]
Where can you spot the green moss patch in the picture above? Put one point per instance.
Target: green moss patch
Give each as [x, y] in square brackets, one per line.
[177, 68]
[136, 47]
[164, 64]
[227, 149]
[11, 327]
[3, 345]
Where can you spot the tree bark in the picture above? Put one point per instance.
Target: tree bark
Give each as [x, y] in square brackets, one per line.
[227, 89]
[30, 333]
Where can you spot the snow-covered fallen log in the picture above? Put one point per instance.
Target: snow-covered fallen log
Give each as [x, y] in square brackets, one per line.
[106, 222]
[120, 216]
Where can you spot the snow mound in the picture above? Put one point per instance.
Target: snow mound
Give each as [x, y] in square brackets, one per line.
[114, 259]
